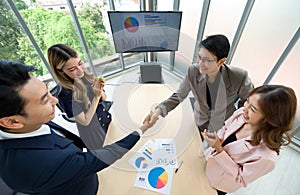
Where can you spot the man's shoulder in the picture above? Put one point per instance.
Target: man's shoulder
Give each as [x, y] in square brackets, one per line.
[193, 70]
[234, 69]
[193, 67]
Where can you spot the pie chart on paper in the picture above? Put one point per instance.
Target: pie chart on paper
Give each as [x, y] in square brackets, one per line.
[141, 162]
[131, 24]
[158, 177]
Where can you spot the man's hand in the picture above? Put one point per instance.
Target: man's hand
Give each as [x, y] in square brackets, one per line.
[155, 115]
[148, 122]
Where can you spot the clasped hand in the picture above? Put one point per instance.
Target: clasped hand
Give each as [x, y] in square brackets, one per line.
[98, 87]
[148, 122]
[155, 115]
[212, 139]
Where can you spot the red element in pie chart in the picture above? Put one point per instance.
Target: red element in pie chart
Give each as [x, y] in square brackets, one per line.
[158, 177]
[131, 24]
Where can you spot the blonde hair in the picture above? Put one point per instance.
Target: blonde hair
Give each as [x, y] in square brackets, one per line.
[58, 55]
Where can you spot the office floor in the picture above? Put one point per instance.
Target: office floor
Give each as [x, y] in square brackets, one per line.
[283, 180]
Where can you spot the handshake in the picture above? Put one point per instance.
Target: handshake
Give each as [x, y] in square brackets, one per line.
[150, 120]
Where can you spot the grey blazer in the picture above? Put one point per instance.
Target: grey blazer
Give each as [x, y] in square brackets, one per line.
[234, 85]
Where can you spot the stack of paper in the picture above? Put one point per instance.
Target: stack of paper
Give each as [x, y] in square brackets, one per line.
[155, 163]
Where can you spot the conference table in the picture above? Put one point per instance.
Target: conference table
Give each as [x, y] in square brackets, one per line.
[132, 102]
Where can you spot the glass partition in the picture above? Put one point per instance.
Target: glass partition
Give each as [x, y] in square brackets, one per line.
[129, 59]
[265, 37]
[224, 17]
[288, 74]
[165, 5]
[191, 13]
[15, 44]
[263, 40]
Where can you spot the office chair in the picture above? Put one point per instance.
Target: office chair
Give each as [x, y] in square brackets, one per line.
[54, 92]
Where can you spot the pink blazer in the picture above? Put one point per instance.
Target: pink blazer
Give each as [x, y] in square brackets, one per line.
[239, 163]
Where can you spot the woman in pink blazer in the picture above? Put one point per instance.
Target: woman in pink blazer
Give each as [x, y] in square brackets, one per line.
[246, 147]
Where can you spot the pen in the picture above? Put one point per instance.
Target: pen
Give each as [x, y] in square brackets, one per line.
[178, 166]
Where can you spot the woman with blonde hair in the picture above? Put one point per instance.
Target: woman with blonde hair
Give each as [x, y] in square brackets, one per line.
[80, 94]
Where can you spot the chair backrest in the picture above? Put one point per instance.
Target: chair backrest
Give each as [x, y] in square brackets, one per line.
[55, 91]
[150, 73]
[107, 104]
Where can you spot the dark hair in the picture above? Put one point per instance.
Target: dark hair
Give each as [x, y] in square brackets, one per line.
[13, 76]
[216, 44]
[278, 104]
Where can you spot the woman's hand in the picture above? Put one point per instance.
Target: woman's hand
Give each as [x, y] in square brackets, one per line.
[213, 140]
[102, 84]
[97, 88]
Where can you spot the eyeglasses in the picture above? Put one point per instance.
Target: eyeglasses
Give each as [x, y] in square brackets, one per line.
[204, 60]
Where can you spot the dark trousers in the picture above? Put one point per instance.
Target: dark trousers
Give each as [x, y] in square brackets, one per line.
[201, 129]
[221, 192]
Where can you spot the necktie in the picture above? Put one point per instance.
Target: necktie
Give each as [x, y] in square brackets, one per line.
[77, 141]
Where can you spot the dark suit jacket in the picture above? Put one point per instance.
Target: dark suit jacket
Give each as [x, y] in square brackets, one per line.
[51, 164]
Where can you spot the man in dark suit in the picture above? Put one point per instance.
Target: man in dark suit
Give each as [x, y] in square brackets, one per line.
[32, 159]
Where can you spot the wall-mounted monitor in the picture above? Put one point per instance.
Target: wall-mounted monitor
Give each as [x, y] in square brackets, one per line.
[145, 31]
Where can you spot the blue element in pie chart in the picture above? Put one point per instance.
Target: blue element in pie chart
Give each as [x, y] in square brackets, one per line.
[158, 177]
[131, 24]
[141, 162]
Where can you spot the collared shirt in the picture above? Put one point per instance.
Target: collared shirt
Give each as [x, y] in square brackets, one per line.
[43, 130]
[140, 132]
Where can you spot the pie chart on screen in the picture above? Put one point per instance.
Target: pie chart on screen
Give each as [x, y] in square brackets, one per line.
[158, 177]
[131, 24]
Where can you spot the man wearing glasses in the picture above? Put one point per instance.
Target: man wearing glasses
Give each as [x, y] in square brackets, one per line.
[218, 89]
